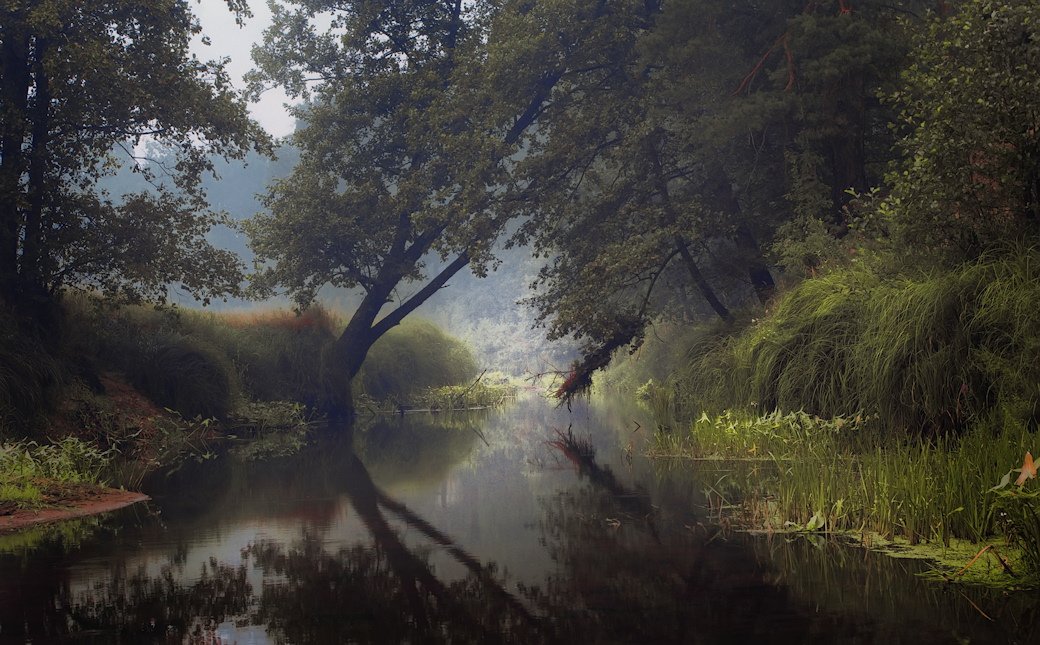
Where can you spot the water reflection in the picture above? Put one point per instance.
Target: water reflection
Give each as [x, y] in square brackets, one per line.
[417, 530]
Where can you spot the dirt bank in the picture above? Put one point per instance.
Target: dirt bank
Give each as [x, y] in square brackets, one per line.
[85, 502]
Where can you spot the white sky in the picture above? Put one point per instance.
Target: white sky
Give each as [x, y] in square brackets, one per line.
[228, 39]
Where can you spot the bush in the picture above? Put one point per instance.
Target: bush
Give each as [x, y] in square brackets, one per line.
[412, 357]
[930, 354]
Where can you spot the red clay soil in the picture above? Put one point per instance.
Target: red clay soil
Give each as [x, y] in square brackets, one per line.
[98, 500]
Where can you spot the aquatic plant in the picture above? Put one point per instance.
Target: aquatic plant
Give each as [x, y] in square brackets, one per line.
[849, 474]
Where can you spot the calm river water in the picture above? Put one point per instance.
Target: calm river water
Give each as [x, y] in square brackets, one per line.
[464, 528]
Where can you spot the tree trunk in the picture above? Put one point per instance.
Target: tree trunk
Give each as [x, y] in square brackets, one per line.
[31, 276]
[14, 90]
[680, 242]
[758, 273]
[343, 360]
[701, 282]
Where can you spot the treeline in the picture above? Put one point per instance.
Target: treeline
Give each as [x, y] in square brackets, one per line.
[884, 160]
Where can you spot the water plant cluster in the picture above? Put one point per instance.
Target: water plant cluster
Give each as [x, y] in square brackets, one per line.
[918, 394]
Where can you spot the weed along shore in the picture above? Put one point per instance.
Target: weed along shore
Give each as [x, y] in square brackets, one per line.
[946, 501]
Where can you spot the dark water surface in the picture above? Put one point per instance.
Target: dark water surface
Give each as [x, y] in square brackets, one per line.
[416, 530]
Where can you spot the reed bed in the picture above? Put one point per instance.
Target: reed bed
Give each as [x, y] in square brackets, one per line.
[839, 472]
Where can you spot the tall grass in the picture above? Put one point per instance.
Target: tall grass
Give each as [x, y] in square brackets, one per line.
[205, 364]
[29, 376]
[929, 355]
[413, 357]
[845, 472]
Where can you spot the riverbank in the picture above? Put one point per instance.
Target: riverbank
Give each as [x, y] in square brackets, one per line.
[946, 500]
[918, 407]
[72, 503]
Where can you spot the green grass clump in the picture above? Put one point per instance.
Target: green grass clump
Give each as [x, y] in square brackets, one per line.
[844, 472]
[412, 358]
[929, 355]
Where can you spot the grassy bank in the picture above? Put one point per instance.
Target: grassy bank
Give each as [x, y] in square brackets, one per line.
[150, 388]
[918, 393]
[929, 354]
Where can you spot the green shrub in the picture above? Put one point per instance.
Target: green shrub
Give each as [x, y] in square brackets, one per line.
[413, 357]
[930, 354]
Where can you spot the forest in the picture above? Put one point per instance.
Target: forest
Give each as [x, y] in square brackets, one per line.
[798, 239]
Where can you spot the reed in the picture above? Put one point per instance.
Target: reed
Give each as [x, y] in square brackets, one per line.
[839, 470]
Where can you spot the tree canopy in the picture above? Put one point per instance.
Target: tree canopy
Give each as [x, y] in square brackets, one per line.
[82, 82]
[419, 115]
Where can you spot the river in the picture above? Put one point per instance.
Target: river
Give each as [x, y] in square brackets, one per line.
[525, 524]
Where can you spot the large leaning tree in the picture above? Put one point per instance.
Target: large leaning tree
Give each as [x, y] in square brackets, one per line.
[418, 114]
[82, 83]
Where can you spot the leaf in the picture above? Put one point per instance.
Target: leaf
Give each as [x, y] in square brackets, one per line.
[1028, 470]
[1004, 481]
[816, 522]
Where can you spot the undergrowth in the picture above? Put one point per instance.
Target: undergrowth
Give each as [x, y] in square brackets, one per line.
[929, 355]
[797, 471]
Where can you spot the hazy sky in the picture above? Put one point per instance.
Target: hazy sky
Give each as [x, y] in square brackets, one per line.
[228, 39]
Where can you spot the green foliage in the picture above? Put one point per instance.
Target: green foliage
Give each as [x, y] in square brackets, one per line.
[414, 357]
[80, 82]
[29, 375]
[1018, 513]
[930, 354]
[972, 147]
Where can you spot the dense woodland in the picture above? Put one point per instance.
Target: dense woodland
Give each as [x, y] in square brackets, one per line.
[822, 206]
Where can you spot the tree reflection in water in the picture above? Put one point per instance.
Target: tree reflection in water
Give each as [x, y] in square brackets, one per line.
[386, 594]
[621, 569]
[385, 591]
